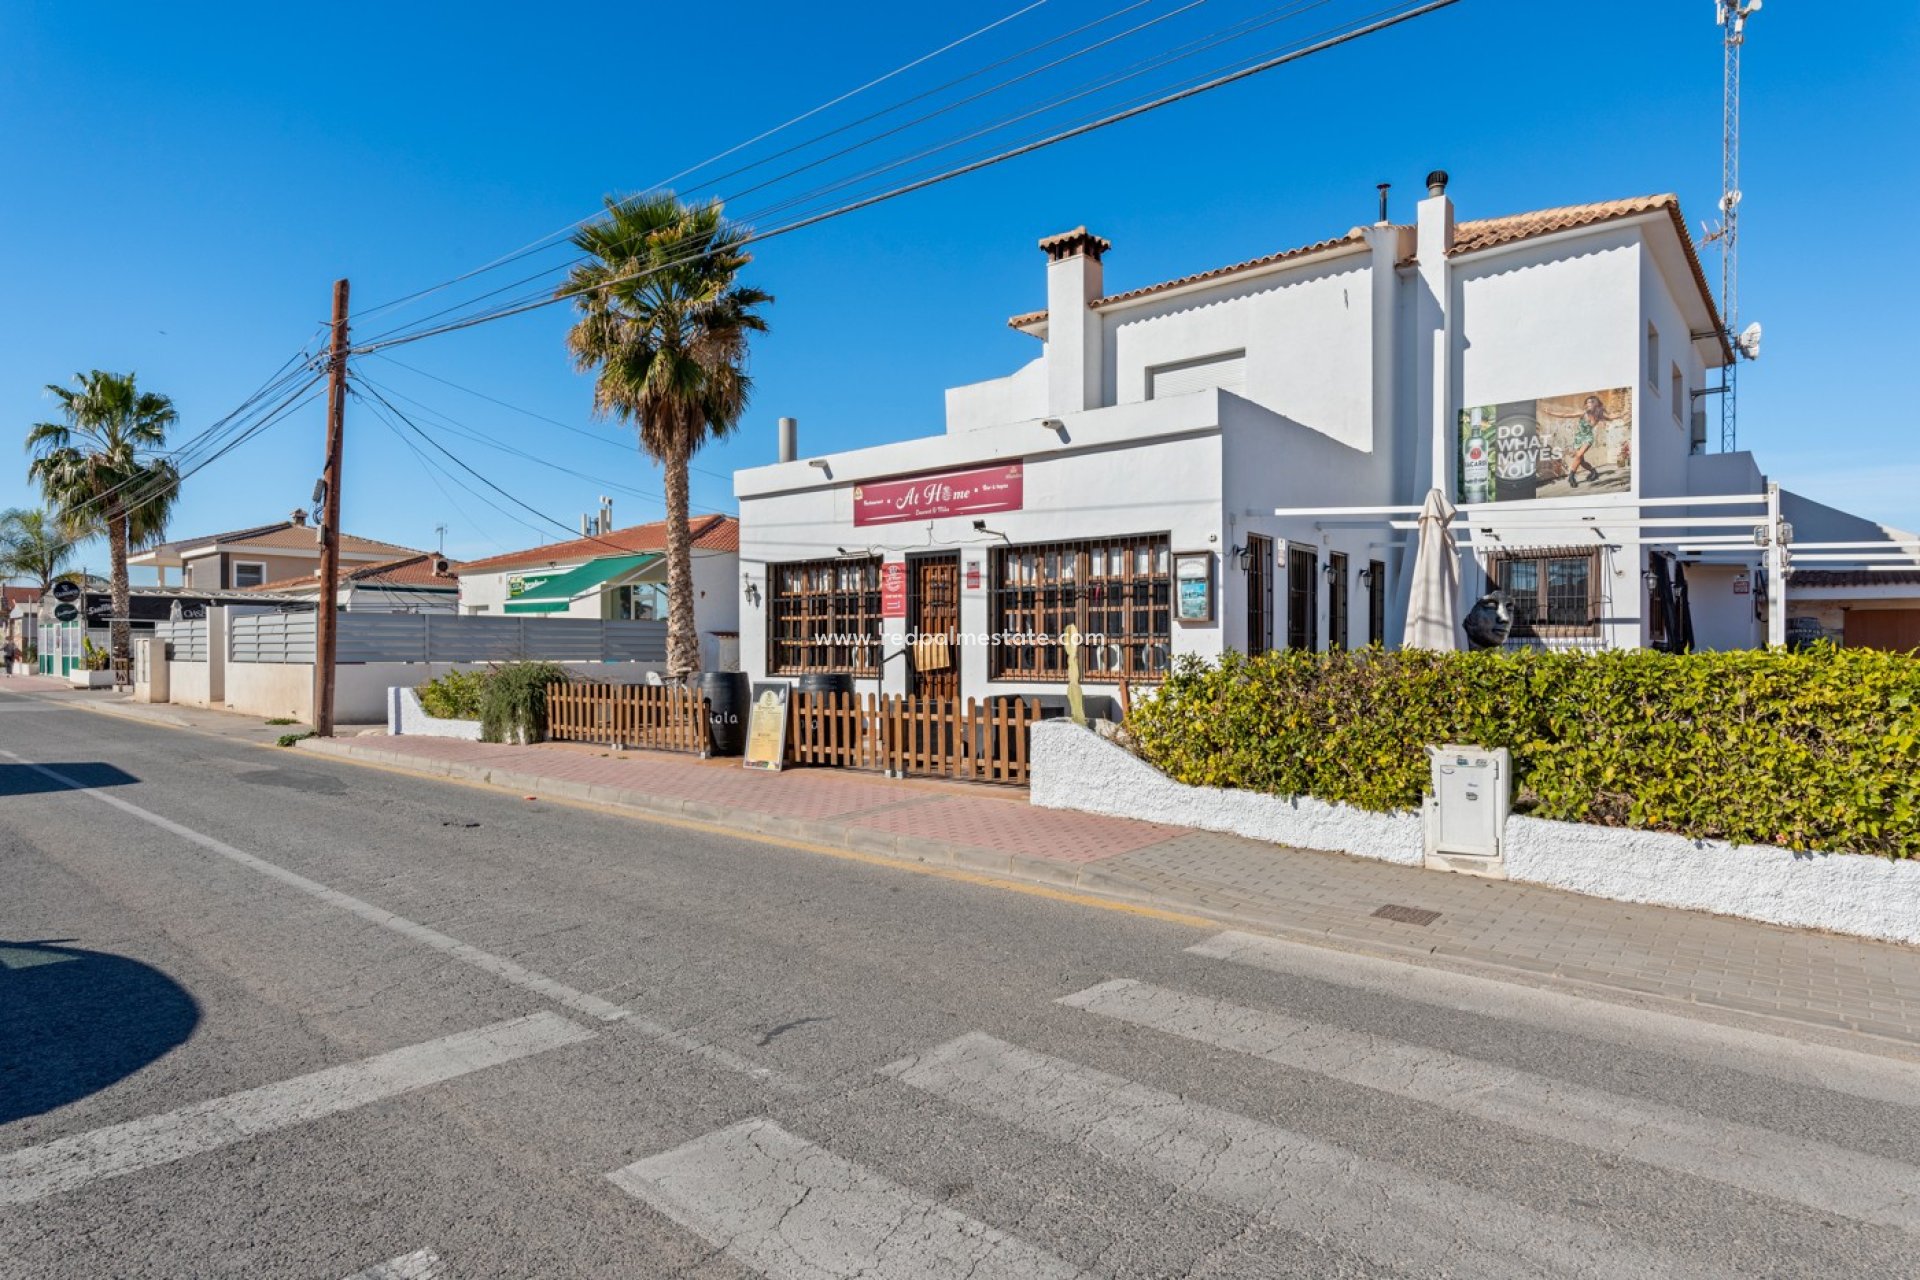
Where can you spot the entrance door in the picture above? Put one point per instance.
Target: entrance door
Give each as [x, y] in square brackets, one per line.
[933, 619]
[1259, 593]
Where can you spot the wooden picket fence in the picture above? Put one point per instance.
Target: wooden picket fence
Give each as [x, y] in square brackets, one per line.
[920, 737]
[658, 717]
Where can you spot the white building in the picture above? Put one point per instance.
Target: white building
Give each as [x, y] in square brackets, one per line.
[618, 573]
[1547, 370]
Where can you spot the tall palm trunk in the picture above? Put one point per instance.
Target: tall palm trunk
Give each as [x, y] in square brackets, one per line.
[683, 638]
[121, 641]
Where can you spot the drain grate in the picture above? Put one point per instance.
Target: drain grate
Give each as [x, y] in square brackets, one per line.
[1407, 915]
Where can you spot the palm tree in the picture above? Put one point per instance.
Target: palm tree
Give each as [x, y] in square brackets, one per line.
[664, 327]
[34, 545]
[101, 471]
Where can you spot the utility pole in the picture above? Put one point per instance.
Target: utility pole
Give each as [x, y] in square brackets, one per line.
[326, 619]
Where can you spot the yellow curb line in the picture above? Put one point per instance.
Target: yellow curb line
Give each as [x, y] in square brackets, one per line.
[808, 846]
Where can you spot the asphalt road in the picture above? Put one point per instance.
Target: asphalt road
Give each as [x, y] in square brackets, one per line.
[263, 1014]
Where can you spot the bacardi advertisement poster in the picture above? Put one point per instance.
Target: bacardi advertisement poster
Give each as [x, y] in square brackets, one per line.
[1556, 447]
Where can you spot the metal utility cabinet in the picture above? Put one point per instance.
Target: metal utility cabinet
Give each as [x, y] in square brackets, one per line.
[1465, 816]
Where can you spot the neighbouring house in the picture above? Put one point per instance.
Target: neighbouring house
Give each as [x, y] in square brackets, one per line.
[1855, 607]
[1230, 459]
[613, 573]
[20, 615]
[248, 558]
[422, 583]
[62, 645]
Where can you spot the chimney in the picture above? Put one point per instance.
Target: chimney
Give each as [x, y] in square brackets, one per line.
[1435, 219]
[606, 514]
[299, 517]
[1383, 188]
[586, 525]
[789, 439]
[1075, 349]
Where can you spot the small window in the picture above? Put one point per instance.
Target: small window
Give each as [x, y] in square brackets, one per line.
[1679, 382]
[248, 573]
[1653, 357]
[1553, 592]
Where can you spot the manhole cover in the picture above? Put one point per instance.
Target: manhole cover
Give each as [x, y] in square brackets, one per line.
[1407, 915]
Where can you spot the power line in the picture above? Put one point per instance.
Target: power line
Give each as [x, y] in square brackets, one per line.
[558, 236]
[999, 157]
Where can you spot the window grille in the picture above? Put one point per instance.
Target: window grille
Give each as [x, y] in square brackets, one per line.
[824, 615]
[1117, 591]
[1555, 591]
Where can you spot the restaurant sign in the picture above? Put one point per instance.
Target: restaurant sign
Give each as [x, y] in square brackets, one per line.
[948, 493]
[893, 589]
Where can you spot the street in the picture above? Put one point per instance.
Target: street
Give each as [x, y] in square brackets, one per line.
[270, 1015]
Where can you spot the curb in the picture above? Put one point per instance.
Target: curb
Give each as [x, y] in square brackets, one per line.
[1093, 879]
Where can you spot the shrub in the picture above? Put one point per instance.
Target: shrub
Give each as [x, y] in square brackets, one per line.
[1818, 749]
[513, 701]
[454, 696]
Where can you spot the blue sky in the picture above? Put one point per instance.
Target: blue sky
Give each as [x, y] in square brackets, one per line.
[183, 183]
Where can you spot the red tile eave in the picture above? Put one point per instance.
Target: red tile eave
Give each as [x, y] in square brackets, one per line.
[712, 532]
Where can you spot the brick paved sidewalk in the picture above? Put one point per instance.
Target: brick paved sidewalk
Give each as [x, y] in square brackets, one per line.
[1732, 967]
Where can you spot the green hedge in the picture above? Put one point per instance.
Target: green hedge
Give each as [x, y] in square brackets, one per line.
[1818, 749]
[453, 696]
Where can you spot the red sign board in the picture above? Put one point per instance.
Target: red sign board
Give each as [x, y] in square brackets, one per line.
[893, 590]
[950, 493]
[973, 575]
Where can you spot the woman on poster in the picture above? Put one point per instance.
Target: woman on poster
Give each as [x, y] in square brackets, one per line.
[1592, 418]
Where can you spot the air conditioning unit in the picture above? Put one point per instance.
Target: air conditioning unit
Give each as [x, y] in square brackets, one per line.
[1464, 818]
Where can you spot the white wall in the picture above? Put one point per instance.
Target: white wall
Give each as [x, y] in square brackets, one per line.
[268, 689]
[1019, 396]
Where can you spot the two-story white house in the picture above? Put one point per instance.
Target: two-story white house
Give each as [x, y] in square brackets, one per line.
[1197, 465]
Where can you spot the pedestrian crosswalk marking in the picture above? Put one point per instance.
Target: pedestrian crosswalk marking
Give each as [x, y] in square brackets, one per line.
[1396, 1218]
[1836, 1070]
[795, 1211]
[421, 1264]
[68, 1163]
[1816, 1174]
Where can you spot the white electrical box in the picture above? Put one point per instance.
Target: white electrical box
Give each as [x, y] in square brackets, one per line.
[1466, 814]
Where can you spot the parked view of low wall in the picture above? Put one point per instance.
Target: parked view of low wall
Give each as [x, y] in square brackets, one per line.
[1848, 893]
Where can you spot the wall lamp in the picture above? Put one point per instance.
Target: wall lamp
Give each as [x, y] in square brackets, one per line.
[823, 465]
[1242, 558]
[1365, 576]
[1333, 574]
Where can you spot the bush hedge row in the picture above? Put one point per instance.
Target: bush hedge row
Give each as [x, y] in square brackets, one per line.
[1818, 749]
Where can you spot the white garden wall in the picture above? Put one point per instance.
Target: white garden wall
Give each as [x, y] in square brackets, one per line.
[1846, 893]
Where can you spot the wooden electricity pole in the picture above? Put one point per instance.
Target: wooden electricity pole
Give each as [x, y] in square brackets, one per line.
[326, 617]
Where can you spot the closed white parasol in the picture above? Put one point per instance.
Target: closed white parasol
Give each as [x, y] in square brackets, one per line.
[1432, 611]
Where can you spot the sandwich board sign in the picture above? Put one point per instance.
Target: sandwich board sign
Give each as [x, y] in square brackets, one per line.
[767, 726]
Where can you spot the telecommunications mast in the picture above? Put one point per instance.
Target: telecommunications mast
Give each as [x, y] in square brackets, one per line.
[1731, 15]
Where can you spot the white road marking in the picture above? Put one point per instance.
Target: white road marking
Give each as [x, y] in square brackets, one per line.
[795, 1211]
[499, 966]
[1395, 1217]
[421, 1264]
[1816, 1174]
[66, 1163]
[1825, 1067]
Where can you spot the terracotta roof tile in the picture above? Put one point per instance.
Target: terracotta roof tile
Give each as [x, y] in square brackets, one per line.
[710, 533]
[1031, 318]
[409, 571]
[1468, 237]
[1853, 578]
[285, 533]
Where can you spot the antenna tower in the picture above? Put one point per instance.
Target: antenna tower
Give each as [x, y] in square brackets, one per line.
[1731, 15]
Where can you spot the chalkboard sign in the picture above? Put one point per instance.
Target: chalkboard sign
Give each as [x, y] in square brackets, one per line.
[767, 726]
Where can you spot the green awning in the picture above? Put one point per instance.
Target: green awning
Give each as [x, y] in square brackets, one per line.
[557, 594]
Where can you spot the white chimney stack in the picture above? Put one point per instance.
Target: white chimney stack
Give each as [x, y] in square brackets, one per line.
[1074, 339]
[789, 439]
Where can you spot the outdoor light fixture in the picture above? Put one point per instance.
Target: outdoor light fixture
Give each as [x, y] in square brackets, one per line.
[753, 595]
[1242, 558]
[1365, 576]
[1333, 574]
[1053, 424]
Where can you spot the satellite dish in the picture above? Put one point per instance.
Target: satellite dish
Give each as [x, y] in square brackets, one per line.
[1749, 341]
